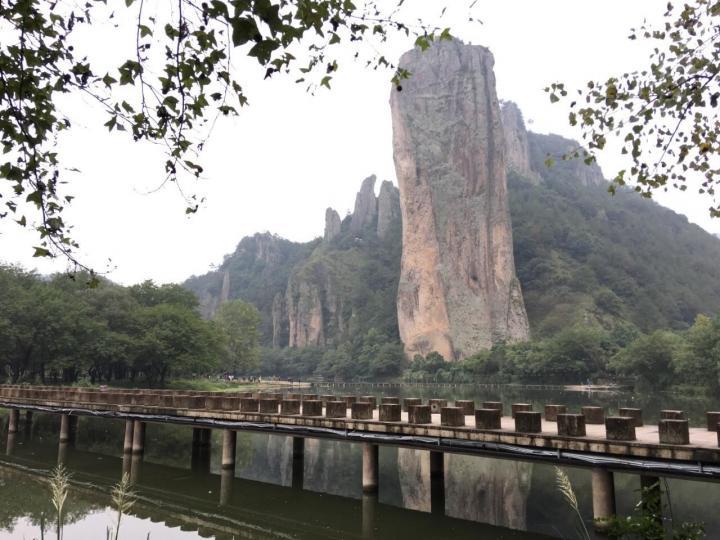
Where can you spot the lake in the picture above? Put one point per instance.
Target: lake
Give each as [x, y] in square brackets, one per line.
[184, 497]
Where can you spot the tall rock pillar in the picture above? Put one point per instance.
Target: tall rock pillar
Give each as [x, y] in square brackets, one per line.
[458, 292]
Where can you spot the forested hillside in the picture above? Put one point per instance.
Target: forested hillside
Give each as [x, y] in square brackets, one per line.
[582, 255]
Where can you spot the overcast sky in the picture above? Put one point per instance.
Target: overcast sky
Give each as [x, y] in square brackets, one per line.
[289, 155]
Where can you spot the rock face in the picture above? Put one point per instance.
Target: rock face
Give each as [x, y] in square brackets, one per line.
[305, 314]
[332, 224]
[279, 321]
[388, 208]
[458, 292]
[366, 207]
[555, 146]
[517, 151]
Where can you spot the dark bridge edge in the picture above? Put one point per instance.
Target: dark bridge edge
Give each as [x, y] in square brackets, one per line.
[683, 469]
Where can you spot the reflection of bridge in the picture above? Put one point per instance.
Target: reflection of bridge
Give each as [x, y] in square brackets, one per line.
[189, 500]
[589, 439]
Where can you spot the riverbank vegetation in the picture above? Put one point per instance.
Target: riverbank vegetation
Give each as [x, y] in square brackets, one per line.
[58, 329]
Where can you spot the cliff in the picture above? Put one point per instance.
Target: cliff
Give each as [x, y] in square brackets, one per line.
[517, 148]
[458, 291]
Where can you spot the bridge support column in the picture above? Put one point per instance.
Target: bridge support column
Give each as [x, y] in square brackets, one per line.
[298, 462]
[228, 453]
[437, 483]
[13, 420]
[138, 441]
[64, 428]
[135, 467]
[28, 421]
[226, 480]
[127, 463]
[128, 441]
[370, 468]
[603, 495]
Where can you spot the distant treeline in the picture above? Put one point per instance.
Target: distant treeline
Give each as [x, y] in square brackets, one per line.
[60, 329]
[579, 354]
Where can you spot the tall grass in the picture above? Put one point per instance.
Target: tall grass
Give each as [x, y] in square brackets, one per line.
[565, 487]
[59, 486]
[123, 499]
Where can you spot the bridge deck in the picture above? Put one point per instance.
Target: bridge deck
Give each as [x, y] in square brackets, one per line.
[702, 451]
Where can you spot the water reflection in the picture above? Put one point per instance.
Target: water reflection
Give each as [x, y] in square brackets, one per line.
[180, 470]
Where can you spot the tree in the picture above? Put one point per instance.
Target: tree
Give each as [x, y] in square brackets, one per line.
[170, 91]
[649, 358]
[175, 340]
[664, 114]
[239, 322]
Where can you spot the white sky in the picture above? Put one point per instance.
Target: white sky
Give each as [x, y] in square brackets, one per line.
[289, 155]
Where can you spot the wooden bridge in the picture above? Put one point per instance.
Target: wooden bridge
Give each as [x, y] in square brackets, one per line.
[587, 438]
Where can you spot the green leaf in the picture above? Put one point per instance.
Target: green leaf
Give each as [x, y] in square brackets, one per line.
[41, 252]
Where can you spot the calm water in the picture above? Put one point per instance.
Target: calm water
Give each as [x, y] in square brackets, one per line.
[185, 498]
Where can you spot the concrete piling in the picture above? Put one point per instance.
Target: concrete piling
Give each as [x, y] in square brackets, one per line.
[390, 412]
[603, 497]
[452, 417]
[409, 402]
[520, 407]
[436, 405]
[312, 407]
[138, 444]
[336, 409]
[419, 414]
[64, 428]
[713, 418]
[674, 432]
[619, 428]
[487, 418]
[290, 406]
[361, 410]
[128, 439]
[370, 468]
[552, 411]
[493, 405]
[467, 406]
[228, 449]
[528, 422]
[571, 425]
[633, 413]
[668, 414]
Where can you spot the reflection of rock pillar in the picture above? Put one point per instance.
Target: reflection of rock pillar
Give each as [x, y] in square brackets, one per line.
[370, 468]
[28, 422]
[298, 462]
[10, 448]
[228, 451]
[138, 444]
[13, 420]
[128, 441]
[226, 481]
[437, 482]
[369, 503]
[603, 494]
[62, 452]
[64, 428]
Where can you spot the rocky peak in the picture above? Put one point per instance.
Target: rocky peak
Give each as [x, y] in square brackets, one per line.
[517, 152]
[388, 208]
[557, 148]
[458, 292]
[365, 212]
[332, 224]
